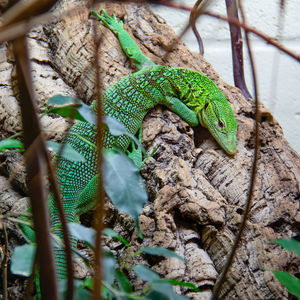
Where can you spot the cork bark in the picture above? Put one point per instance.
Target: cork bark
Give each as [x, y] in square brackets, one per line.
[197, 193]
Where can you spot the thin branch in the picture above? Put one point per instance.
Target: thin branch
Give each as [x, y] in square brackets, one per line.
[35, 171]
[25, 9]
[19, 12]
[98, 218]
[30, 282]
[192, 22]
[237, 49]
[196, 14]
[15, 30]
[263, 36]
[33, 148]
[233, 21]
[221, 279]
[4, 263]
[34, 163]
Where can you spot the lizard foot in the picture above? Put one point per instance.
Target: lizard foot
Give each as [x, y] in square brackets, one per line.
[136, 154]
[110, 22]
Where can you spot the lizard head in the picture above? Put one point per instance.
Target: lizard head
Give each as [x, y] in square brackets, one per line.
[217, 116]
[206, 100]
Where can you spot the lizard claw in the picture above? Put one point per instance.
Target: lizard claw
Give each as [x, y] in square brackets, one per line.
[110, 22]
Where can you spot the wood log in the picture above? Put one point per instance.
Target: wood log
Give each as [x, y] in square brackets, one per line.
[197, 193]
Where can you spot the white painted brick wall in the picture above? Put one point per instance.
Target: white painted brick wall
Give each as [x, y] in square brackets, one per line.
[278, 75]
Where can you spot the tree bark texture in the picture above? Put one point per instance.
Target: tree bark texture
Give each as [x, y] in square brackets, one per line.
[196, 192]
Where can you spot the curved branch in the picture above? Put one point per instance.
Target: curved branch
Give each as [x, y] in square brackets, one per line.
[35, 171]
[192, 22]
[221, 280]
[98, 218]
[237, 49]
[263, 36]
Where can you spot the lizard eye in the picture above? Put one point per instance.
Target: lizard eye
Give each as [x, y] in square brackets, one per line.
[220, 124]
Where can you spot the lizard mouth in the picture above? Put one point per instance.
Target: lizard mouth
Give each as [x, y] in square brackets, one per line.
[226, 140]
[230, 144]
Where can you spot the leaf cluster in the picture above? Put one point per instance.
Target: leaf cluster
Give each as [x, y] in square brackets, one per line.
[115, 280]
[291, 282]
[123, 184]
[121, 179]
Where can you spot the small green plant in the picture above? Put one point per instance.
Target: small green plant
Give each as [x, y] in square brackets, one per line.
[291, 282]
[115, 281]
[123, 184]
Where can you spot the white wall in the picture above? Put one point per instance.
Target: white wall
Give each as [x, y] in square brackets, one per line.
[278, 75]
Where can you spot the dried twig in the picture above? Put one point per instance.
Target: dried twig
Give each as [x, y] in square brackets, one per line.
[25, 10]
[233, 21]
[30, 281]
[192, 22]
[263, 36]
[15, 30]
[221, 279]
[35, 171]
[237, 49]
[19, 12]
[4, 262]
[98, 218]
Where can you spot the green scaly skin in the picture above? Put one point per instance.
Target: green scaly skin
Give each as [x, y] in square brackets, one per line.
[191, 95]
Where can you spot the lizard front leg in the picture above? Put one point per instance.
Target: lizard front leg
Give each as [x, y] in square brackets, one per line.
[178, 107]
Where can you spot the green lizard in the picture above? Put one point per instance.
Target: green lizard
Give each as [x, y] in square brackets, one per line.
[191, 95]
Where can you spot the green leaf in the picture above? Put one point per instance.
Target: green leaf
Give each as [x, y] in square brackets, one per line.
[290, 282]
[80, 292]
[61, 100]
[123, 281]
[117, 128]
[161, 289]
[167, 290]
[123, 183]
[68, 152]
[155, 295]
[106, 293]
[161, 251]
[112, 233]
[289, 244]
[88, 283]
[10, 143]
[22, 260]
[82, 233]
[145, 273]
[87, 235]
[73, 108]
[108, 266]
[178, 282]
[67, 112]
